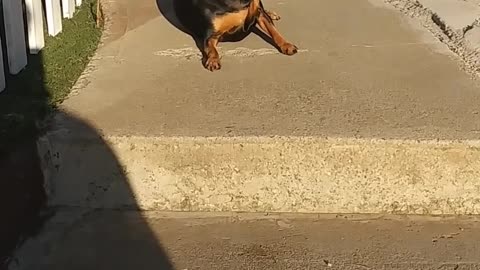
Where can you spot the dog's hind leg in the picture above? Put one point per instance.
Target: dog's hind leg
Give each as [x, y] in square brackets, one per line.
[264, 22]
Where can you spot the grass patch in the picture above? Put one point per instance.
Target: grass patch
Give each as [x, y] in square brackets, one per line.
[30, 96]
[35, 92]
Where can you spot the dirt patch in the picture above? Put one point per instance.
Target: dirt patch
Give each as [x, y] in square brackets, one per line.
[21, 197]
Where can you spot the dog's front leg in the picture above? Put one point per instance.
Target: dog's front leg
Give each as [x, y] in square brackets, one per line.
[265, 24]
[211, 59]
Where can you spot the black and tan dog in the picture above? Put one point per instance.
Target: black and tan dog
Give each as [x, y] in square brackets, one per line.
[212, 21]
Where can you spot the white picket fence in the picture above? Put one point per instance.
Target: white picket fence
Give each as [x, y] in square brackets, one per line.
[15, 31]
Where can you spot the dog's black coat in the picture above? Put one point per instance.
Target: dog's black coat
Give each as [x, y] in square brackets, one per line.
[197, 15]
[212, 21]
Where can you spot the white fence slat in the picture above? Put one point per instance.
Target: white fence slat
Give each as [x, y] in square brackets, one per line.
[78, 2]
[36, 40]
[15, 35]
[53, 13]
[68, 8]
[2, 70]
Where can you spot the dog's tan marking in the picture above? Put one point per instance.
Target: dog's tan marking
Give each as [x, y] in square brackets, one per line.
[253, 9]
[232, 22]
[228, 24]
[212, 58]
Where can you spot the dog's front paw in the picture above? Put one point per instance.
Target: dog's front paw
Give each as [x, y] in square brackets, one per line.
[288, 49]
[213, 63]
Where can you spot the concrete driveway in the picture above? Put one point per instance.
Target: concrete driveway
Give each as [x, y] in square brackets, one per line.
[374, 115]
[363, 71]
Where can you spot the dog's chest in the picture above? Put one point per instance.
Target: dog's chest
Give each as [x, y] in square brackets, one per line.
[230, 22]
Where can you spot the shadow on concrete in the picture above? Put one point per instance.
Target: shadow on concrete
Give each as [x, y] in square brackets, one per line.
[180, 15]
[103, 239]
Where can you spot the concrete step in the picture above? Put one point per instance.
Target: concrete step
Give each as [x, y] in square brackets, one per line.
[129, 240]
[262, 174]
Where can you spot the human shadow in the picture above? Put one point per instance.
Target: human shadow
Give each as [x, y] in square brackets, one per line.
[182, 19]
[67, 204]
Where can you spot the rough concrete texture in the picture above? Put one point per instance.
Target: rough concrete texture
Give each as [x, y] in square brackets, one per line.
[472, 38]
[440, 24]
[270, 174]
[129, 240]
[457, 14]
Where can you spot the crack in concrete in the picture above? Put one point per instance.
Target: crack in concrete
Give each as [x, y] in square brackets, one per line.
[454, 40]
